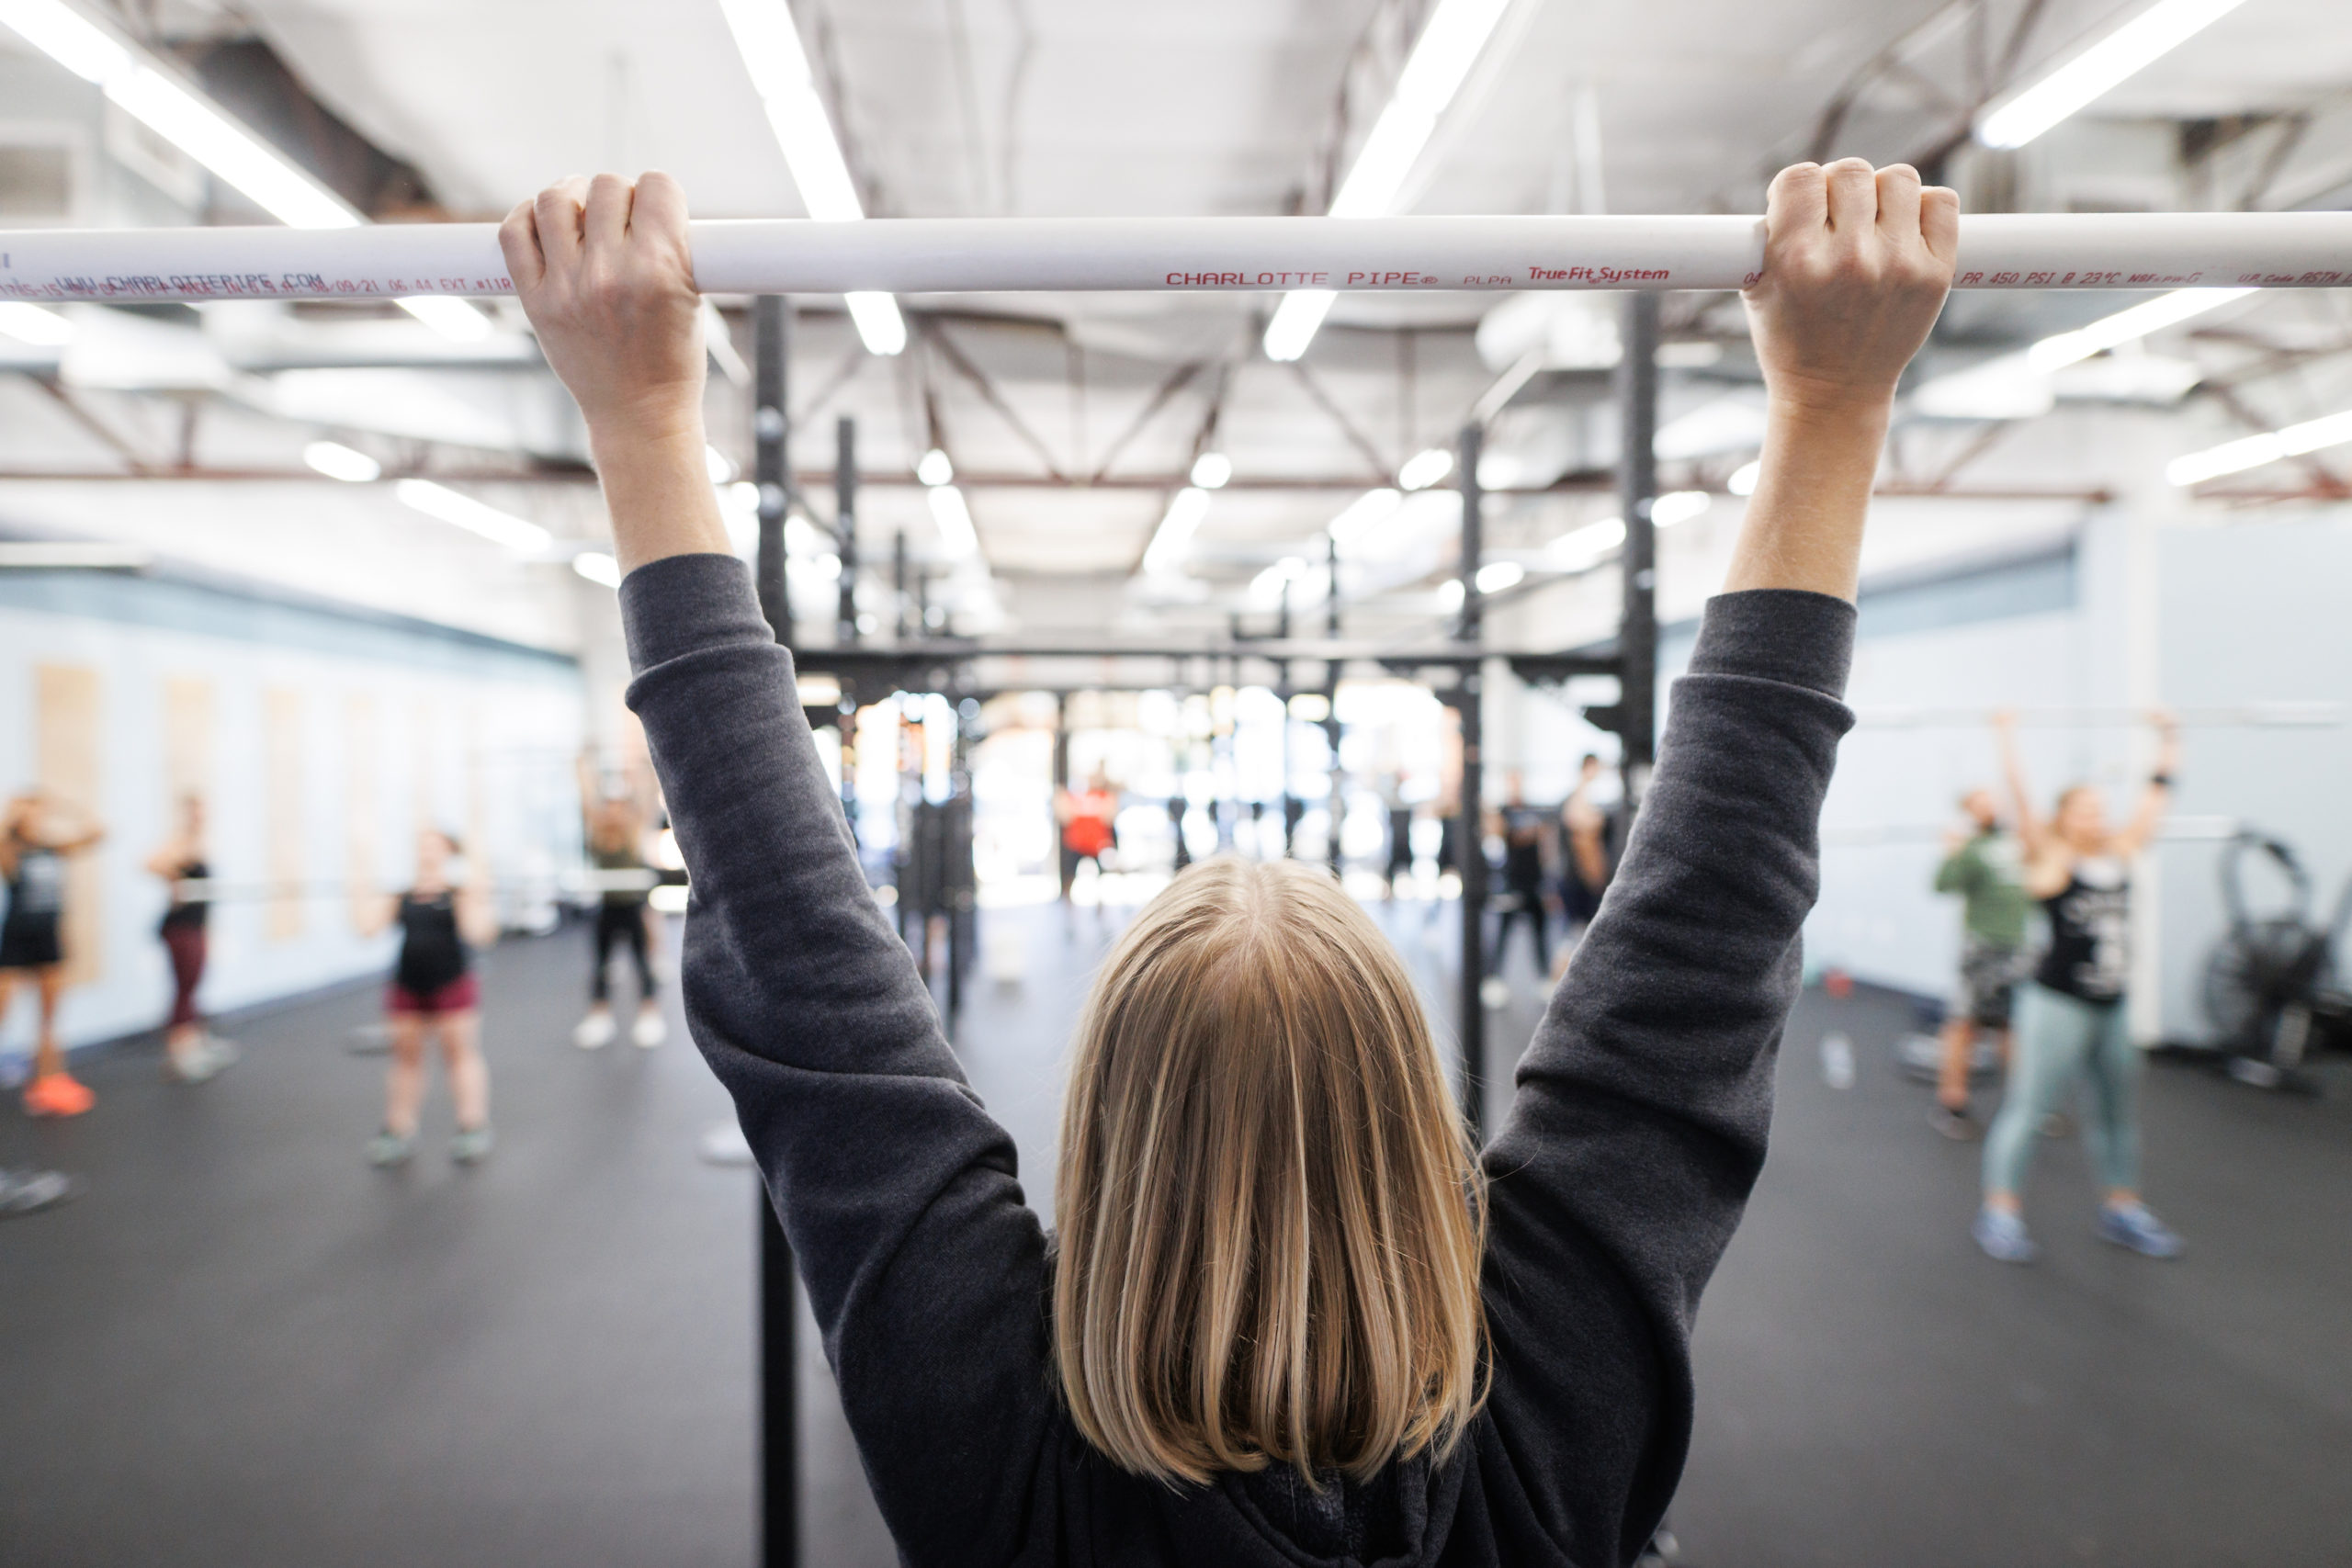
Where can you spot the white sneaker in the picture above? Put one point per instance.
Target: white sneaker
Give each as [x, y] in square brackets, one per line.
[595, 1031]
[649, 1030]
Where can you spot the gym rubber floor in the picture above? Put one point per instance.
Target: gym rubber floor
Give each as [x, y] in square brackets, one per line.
[243, 1346]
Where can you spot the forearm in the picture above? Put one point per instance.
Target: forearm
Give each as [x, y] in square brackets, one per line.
[658, 491]
[1803, 525]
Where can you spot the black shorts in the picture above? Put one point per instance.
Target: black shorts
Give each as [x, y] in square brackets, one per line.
[1988, 982]
[30, 942]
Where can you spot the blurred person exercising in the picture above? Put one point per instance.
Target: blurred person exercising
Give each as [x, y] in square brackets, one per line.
[433, 986]
[1981, 866]
[1287, 1314]
[1088, 819]
[614, 826]
[38, 835]
[1521, 827]
[192, 1052]
[2072, 1020]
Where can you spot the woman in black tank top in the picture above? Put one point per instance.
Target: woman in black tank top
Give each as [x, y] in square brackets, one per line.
[2072, 1019]
[434, 990]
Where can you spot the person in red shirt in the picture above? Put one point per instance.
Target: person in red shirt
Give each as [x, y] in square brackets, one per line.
[1086, 817]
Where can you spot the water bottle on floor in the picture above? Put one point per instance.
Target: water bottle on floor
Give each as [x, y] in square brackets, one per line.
[1836, 1060]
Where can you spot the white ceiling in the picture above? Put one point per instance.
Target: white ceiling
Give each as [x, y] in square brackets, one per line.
[1059, 106]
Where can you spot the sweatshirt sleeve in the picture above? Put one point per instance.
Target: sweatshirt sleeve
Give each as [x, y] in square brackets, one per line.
[1638, 1126]
[899, 1192]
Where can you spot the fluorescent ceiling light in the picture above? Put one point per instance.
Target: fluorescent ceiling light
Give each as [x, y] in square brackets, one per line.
[1425, 468]
[1448, 595]
[1743, 478]
[1678, 506]
[1268, 585]
[337, 461]
[1496, 576]
[1296, 321]
[1169, 542]
[1211, 470]
[185, 119]
[2002, 388]
[465, 511]
[1433, 72]
[70, 38]
[935, 468]
[769, 41]
[2127, 326]
[2081, 81]
[2235, 456]
[1363, 514]
[452, 318]
[714, 464]
[32, 324]
[953, 520]
[1580, 549]
[597, 567]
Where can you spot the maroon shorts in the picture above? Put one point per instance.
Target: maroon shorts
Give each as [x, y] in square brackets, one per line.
[458, 996]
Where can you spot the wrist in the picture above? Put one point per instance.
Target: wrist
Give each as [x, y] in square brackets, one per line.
[645, 432]
[1831, 409]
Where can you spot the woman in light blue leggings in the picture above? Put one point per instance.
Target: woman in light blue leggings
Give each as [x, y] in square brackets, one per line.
[2072, 1018]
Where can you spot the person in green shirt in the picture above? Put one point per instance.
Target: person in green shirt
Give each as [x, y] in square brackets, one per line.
[1983, 866]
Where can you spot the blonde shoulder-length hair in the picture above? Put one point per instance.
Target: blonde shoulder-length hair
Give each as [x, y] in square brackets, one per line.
[1270, 1219]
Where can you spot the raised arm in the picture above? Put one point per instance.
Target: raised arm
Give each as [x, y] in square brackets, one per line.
[2156, 799]
[899, 1192]
[1642, 1109]
[2033, 830]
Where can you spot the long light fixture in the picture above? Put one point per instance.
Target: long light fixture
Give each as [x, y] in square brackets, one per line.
[143, 87]
[1365, 514]
[464, 512]
[2106, 64]
[2253, 451]
[2127, 326]
[32, 324]
[598, 568]
[1174, 535]
[953, 516]
[337, 461]
[1424, 468]
[1441, 57]
[769, 41]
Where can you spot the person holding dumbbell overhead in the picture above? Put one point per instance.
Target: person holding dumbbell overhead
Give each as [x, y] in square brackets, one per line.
[1288, 1313]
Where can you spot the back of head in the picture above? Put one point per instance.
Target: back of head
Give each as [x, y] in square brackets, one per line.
[1270, 1222]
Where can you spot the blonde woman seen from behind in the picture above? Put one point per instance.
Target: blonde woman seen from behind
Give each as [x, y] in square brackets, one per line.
[1287, 1317]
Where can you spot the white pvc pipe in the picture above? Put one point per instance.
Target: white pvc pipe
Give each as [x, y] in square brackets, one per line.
[923, 256]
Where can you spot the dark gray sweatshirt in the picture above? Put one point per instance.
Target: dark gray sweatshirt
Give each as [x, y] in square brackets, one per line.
[1636, 1133]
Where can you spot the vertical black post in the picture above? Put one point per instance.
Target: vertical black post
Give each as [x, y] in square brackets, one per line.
[898, 579]
[1469, 836]
[1337, 810]
[1473, 619]
[1637, 490]
[779, 1522]
[1470, 845]
[779, 1396]
[771, 462]
[845, 522]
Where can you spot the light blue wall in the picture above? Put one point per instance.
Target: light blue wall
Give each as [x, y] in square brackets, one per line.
[2253, 613]
[504, 719]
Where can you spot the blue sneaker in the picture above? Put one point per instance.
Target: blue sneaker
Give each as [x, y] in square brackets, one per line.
[2133, 1226]
[2002, 1235]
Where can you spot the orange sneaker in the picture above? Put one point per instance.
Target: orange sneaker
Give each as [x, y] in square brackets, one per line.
[57, 1094]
